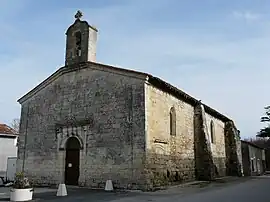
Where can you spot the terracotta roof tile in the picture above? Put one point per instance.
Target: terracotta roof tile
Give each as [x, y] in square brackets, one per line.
[4, 129]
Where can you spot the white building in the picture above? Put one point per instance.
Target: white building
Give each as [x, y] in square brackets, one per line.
[8, 146]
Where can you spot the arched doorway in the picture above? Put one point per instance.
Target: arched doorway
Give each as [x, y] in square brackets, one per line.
[72, 168]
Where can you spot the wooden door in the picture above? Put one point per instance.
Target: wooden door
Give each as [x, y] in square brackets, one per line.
[72, 168]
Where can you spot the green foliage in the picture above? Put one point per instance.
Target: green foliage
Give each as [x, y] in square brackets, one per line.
[266, 117]
[21, 182]
[265, 132]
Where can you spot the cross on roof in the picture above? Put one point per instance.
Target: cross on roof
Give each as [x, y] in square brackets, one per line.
[78, 15]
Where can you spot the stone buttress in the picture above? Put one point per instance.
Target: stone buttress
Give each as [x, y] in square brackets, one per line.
[204, 164]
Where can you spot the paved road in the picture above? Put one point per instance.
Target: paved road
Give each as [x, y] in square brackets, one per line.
[255, 190]
[252, 190]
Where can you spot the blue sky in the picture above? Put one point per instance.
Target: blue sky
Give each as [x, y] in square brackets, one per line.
[216, 51]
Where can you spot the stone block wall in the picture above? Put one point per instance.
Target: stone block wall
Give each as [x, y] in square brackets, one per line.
[88, 43]
[210, 153]
[110, 104]
[217, 145]
[245, 159]
[169, 159]
[126, 137]
[204, 163]
[234, 165]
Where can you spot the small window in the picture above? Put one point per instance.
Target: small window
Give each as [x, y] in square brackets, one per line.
[172, 122]
[252, 165]
[78, 37]
[212, 131]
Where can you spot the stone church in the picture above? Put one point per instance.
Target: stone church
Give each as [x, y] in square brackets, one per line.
[89, 122]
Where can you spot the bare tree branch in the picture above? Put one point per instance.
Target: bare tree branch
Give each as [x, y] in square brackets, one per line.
[15, 124]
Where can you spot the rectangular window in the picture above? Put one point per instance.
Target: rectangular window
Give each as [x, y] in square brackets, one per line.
[212, 131]
[172, 122]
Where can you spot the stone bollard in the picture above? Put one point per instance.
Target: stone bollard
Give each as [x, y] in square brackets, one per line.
[62, 190]
[109, 185]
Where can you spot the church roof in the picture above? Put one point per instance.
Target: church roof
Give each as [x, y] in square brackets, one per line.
[166, 87]
[251, 144]
[155, 81]
[5, 129]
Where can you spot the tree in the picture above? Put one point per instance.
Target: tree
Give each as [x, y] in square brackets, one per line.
[265, 132]
[15, 124]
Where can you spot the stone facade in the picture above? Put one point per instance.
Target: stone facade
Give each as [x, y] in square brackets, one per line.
[234, 164]
[105, 110]
[205, 167]
[172, 158]
[131, 127]
[217, 145]
[169, 158]
[80, 43]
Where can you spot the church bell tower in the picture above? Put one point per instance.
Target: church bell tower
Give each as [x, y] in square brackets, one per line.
[81, 39]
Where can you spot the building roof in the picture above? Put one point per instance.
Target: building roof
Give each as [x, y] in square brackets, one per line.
[155, 81]
[6, 130]
[252, 144]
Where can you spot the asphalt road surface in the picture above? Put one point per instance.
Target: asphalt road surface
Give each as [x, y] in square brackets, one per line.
[256, 189]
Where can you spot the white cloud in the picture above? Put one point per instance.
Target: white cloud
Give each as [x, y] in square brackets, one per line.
[246, 15]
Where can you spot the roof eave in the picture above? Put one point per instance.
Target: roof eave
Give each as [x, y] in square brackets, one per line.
[159, 83]
[252, 144]
[75, 67]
